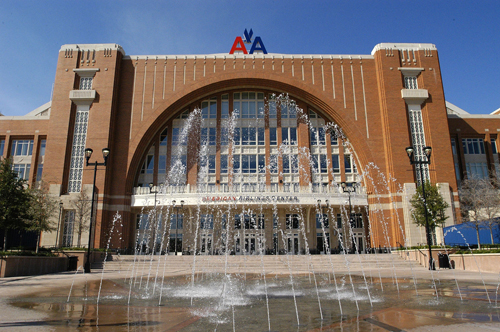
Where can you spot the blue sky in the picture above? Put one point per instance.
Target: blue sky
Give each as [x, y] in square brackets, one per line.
[466, 34]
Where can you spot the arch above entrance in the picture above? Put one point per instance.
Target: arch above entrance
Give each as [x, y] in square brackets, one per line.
[302, 93]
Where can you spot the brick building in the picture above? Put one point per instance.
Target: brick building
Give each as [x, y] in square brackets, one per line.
[253, 145]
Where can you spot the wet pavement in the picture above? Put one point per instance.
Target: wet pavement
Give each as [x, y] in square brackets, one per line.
[412, 301]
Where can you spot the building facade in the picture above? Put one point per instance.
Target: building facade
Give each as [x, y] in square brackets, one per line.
[248, 153]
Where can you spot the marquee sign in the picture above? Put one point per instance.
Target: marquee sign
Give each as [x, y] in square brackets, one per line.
[239, 44]
[249, 199]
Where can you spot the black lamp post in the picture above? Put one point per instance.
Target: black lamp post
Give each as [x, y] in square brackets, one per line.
[326, 244]
[411, 156]
[177, 221]
[154, 191]
[88, 154]
[349, 189]
[59, 222]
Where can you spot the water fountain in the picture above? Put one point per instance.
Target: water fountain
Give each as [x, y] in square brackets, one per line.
[290, 290]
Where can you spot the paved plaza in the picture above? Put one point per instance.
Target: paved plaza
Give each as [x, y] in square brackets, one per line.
[371, 269]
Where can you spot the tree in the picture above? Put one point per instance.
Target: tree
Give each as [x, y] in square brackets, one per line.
[480, 204]
[82, 205]
[14, 200]
[42, 208]
[436, 206]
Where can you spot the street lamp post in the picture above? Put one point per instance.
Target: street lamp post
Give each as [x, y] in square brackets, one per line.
[154, 191]
[88, 154]
[59, 222]
[177, 222]
[349, 189]
[326, 244]
[411, 156]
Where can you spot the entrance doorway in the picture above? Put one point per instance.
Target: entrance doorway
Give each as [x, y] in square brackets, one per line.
[293, 243]
[206, 244]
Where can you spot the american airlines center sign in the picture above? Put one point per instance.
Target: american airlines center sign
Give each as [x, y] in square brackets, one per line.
[251, 199]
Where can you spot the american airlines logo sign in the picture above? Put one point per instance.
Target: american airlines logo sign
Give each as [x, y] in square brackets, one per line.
[239, 44]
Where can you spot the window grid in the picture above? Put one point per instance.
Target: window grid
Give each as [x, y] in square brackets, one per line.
[207, 221]
[289, 135]
[249, 105]
[473, 145]
[22, 147]
[322, 218]
[317, 136]
[78, 151]
[208, 136]
[69, 223]
[209, 109]
[22, 170]
[335, 163]
[320, 165]
[86, 83]
[411, 82]
[418, 139]
[477, 170]
[290, 163]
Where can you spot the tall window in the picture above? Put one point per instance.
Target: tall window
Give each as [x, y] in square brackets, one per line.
[335, 163]
[22, 170]
[209, 109]
[223, 164]
[68, 228]
[319, 163]
[208, 162]
[348, 163]
[207, 221]
[288, 111]
[78, 149]
[176, 221]
[261, 131]
[208, 136]
[290, 163]
[418, 140]
[322, 218]
[453, 147]
[289, 135]
[149, 165]
[177, 138]
[317, 136]
[273, 137]
[292, 221]
[22, 166]
[248, 136]
[225, 107]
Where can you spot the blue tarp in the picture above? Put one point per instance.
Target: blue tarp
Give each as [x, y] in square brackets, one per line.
[465, 233]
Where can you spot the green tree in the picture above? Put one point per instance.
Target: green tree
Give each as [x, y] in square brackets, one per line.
[14, 200]
[82, 206]
[42, 208]
[436, 207]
